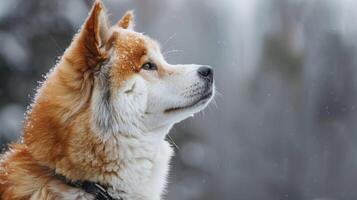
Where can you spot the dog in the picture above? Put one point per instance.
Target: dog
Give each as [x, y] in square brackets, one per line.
[97, 126]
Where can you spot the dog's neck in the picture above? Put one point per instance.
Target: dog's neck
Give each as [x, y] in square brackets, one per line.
[132, 167]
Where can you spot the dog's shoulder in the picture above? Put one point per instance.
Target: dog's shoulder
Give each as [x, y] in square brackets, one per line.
[20, 175]
[15, 166]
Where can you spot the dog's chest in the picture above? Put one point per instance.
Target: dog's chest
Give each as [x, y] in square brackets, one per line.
[143, 169]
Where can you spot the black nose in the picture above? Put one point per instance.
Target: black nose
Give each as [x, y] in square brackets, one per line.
[206, 72]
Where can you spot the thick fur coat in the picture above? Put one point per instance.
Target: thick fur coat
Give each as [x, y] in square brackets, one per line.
[102, 115]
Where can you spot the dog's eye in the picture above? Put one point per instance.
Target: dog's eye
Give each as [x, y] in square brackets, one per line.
[149, 66]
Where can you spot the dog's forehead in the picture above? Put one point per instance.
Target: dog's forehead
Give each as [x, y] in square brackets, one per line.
[135, 40]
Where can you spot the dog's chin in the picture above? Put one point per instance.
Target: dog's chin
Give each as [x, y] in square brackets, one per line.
[195, 105]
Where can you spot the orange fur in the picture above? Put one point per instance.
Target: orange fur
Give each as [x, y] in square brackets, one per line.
[132, 51]
[127, 20]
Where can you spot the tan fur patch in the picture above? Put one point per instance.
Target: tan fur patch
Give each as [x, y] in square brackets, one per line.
[131, 51]
[127, 21]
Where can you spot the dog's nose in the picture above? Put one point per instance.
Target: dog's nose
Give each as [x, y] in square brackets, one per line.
[206, 72]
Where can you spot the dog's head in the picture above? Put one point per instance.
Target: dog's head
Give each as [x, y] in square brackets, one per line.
[120, 81]
[134, 88]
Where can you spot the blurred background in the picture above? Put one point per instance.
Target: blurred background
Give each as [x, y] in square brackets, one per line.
[284, 123]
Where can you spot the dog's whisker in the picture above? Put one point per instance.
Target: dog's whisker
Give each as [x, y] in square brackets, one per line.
[173, 142]
[171, 52]
[214, 103]
[167, 53]
[168, 40]
[218, 93]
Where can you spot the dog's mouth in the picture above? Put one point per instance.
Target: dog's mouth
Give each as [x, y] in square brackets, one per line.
[202, 100]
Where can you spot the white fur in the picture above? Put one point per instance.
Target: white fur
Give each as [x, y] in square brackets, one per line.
[146, 160]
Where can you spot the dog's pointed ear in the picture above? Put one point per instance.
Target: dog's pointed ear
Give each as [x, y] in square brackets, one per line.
[86, 50]
[95, 30]
[127, 21]
[96, 26]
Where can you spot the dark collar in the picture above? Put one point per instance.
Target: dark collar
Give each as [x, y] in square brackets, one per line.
[98, 191]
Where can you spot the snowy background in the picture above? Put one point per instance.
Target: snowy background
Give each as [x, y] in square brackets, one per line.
[284, 126]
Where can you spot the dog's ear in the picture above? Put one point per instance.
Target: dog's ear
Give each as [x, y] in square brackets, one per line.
[127, 21]
[95, 31]
[86, 50]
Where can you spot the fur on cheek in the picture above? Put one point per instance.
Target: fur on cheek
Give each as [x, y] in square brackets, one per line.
[117, 112]
[116, 109]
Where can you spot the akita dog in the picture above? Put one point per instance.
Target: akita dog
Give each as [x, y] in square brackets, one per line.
[97, 126]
